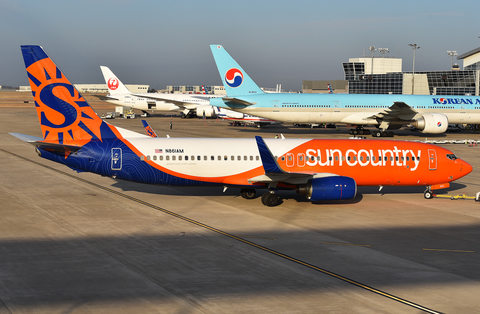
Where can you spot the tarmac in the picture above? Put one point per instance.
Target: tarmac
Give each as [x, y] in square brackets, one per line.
[81, 243]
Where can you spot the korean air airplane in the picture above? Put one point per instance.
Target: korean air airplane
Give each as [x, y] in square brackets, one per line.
[321, 170]
[429, 114]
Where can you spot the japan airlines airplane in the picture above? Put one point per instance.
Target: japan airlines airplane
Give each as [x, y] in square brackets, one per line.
[429, 114]
[75, 136]
[190, 105]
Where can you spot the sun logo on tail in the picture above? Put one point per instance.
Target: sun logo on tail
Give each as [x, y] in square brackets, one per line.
[234, 78]
[65, 116]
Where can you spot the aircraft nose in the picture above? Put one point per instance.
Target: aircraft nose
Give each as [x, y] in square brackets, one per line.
[465, 168]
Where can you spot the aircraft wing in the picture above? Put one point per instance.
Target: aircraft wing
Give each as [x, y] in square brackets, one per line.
[398, 111]
[237, 101]
[275, 174]
[178, 103]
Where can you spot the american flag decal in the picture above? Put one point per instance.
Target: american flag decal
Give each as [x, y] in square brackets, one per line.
[158, 151]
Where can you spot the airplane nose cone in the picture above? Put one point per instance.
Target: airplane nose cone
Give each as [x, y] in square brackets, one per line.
[465, 168]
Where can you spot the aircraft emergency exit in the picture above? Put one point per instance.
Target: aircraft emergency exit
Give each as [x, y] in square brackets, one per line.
[428, 113]
[75, 136]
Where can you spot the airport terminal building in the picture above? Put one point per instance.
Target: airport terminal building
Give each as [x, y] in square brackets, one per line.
[383, 75]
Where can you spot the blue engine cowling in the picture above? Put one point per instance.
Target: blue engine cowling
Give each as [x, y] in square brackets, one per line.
[329, 189]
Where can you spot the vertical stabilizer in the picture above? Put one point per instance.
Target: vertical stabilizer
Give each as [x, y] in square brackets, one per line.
[115, 86]
[235, 80]
[65, 116]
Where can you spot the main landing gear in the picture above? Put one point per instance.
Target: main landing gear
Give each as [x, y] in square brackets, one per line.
[380, 133]
[248, 193]
[359, 131]
[268, 199]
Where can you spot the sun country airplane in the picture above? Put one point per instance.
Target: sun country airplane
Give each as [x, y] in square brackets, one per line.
[190, 105]
[428, 113]
[75, 136]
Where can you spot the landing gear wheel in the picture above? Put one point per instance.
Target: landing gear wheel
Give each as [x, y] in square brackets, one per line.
[390, 134]
[377, 134]
[248, 193]
[428, 194]
[269, 199]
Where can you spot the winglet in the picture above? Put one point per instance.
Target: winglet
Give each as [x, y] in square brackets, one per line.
[148, 129]
[269, 163]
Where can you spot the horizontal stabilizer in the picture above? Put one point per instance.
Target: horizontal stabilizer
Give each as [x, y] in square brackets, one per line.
[40, 143]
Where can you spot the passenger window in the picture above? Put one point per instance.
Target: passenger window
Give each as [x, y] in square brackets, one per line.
[244, 157]
[174, 157]
[142, 158]
[225, 157]
[257, 158]
[205, 157]
[199, 157]
[160, 158]
[219, 157]
[148, 157]
[179, 157]
[167, 157]
[251, 157]
[232, 158]
[186, 157]
[193, 158]
[154, 157]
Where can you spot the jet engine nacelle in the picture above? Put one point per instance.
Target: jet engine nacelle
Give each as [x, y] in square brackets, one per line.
[432, 123]
[329, 188]
[207, 109]
[235, 115]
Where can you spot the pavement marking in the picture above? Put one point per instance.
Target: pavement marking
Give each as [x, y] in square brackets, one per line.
[352, 244]
[251, 236]
[279, 254]
[444, 250]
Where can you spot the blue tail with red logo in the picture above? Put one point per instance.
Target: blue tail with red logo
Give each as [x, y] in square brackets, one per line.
[235, 80]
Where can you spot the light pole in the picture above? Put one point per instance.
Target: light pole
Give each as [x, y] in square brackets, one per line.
[414, 47]
[372, 49]
[383, 51]
[451, 54]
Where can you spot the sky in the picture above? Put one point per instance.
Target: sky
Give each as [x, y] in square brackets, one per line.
[162, 43]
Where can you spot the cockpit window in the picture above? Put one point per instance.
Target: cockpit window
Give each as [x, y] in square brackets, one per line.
[451, 156]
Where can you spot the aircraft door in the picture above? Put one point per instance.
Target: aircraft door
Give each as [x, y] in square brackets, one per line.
[290, 160]
[432, 159]
[116, 159]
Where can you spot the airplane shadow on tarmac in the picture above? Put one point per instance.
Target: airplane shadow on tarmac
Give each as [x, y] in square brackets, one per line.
[283, 194]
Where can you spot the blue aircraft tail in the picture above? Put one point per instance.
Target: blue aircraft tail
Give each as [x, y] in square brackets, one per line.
[235, 80]
[65, 116]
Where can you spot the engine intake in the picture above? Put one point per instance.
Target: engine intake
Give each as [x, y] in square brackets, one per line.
[329, 188]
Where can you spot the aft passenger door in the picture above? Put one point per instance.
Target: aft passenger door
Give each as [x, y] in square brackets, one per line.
[432, 159]
[116, 159]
